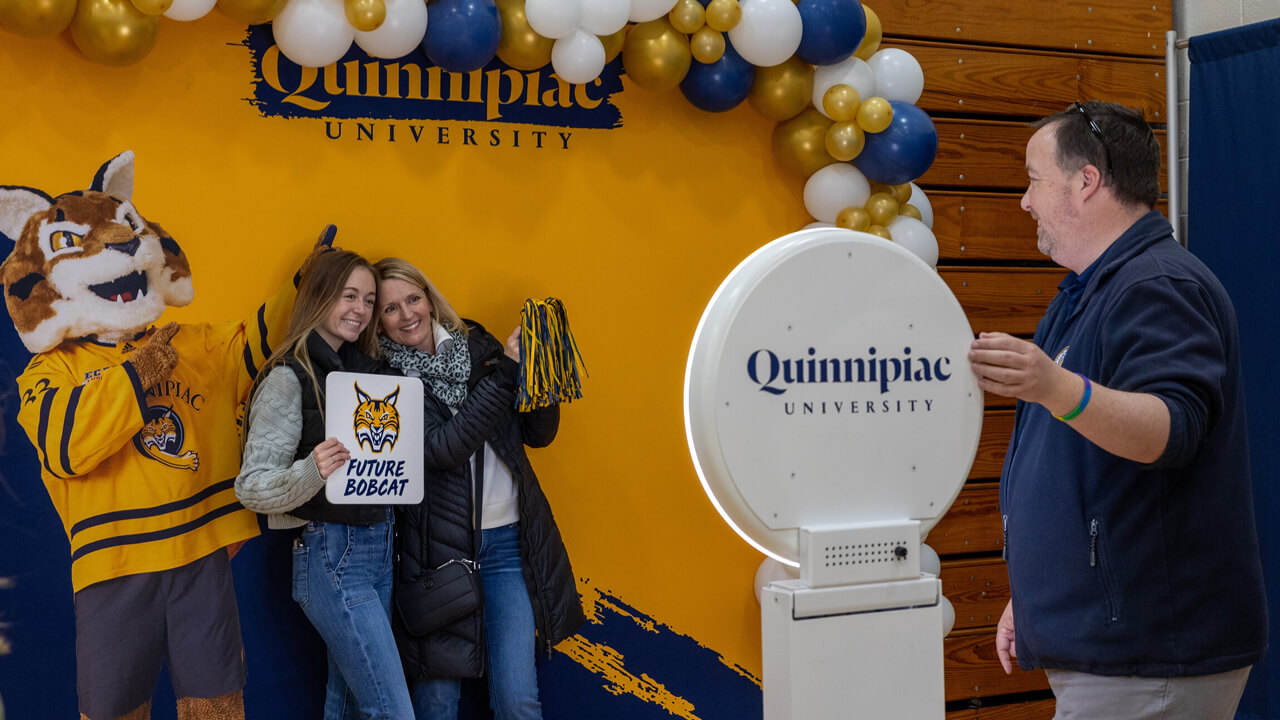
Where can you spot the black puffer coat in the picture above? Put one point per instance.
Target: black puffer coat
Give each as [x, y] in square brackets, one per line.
[440, 528]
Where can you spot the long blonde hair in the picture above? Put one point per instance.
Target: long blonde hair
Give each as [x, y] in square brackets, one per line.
[319, 290]
[394, 268]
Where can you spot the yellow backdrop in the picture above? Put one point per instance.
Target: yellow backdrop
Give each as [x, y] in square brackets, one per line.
[632, 227]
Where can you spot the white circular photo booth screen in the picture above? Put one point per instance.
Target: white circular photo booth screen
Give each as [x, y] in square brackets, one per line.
[828, 385]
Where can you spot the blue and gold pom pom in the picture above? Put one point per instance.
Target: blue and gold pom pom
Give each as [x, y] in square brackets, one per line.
[549, 356]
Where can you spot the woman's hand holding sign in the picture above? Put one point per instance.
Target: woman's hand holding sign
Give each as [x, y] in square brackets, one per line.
[329, 456]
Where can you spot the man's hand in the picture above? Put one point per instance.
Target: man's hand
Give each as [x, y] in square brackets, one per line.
[156, 359]
[1005, 649]
[1016, 368]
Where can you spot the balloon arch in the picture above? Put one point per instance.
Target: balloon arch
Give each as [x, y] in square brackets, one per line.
[845, 108]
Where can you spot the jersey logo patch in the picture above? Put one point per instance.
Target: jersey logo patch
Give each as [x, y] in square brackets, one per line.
[377, 422]
[1062, 355]
[162, 438]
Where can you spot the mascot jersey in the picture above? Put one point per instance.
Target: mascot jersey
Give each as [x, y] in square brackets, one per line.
[143, 478]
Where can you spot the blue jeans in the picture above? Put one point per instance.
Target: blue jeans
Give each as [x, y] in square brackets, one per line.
[510, 640]
[342, 579]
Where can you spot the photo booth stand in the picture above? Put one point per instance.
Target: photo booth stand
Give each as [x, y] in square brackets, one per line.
[833, 418]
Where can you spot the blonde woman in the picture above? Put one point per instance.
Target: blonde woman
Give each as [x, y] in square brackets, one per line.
[474, 449]
[342, 572]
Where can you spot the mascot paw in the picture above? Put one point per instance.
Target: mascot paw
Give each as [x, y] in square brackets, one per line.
[155, 360]
[323, 245]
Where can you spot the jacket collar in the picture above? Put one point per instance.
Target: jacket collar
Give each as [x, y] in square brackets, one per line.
[1147, 231]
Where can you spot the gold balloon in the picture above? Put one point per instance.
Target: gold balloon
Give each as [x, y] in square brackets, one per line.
[800, 144]
[612, 44]
[521, 47]
[36, 18]
[782, 91]
[870, 41]
[152, 7]
[364, 15]
[687, 16]
[707, 45]
[901, 193]
[251, 12]
[841, 102]
[874, 114]
[910, 211]
[880, 231]
[723, 15]
[655, 56]
[853, 218]
[845, 141]
[113, 32]
[882, 208]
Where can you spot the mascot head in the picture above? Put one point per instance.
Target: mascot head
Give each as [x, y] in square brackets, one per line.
[86, 263]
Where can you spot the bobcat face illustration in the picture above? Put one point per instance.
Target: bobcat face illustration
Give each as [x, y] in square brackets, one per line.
[162, 438]
[87, 263]
[377, 422]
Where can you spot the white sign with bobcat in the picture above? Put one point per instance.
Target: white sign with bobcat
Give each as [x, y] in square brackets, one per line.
[379, 420]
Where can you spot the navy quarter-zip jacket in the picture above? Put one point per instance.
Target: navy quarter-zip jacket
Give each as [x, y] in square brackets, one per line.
[1121, 568]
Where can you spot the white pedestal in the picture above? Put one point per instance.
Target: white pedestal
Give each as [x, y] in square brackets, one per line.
[880, 664]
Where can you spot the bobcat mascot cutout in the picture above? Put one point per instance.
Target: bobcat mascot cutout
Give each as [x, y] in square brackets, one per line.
[136, 433]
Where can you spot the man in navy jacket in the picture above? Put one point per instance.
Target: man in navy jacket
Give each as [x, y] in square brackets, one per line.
[1126, 493]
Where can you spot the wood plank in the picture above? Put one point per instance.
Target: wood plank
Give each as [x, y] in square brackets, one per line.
[1126, 27]
[1008, 300]
[977, 589]
[972, 669]
[990, 154]
[972, 525]
[997, 427]
[1029, 83]
[982, 226]
[986, 226]
[1038, 710]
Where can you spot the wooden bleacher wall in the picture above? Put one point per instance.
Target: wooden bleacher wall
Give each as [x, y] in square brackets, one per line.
[991, 67]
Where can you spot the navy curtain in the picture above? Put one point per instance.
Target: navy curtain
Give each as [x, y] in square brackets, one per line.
[1232, 226]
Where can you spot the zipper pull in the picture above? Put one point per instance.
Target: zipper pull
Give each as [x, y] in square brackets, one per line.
[1004, 538]
[1093, 543]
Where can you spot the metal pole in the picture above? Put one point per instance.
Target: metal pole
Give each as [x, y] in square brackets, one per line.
[1174, 139]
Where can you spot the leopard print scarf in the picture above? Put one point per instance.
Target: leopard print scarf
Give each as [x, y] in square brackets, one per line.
[445, 373]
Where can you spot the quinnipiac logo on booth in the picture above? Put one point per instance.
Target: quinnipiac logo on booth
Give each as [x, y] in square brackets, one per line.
[411, 88]
[873, 383]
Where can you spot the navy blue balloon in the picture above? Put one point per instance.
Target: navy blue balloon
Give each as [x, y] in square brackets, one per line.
[721, 85]
[463, 35]
[903, 151]
[832, 30]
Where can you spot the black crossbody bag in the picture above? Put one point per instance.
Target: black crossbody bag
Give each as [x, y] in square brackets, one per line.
[449, 592]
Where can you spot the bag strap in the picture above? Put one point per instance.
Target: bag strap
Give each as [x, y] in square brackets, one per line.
[477, 502]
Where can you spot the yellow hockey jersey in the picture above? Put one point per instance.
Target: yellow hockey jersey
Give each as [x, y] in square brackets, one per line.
[143, 478]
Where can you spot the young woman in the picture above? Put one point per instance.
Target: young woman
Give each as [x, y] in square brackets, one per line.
[342, 572]
[474, 447]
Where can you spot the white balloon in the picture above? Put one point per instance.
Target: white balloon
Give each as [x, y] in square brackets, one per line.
[771, 570]
[921, 203]
[187, 10]
[834, 188]
[948, 615]
[929, 560]
[400, 34]
[768, 33]
[915, 236]
[898, 75]
[578, 58]
[554, 19]
[818, 224]
[646, 10]
[605, 17]
[854, 72]
[313, 33]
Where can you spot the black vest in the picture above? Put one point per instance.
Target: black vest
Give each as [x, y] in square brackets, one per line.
[324, 361]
